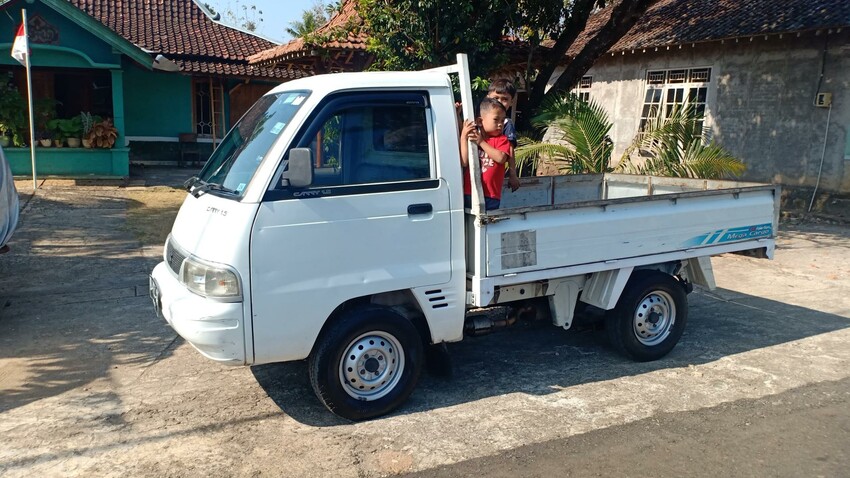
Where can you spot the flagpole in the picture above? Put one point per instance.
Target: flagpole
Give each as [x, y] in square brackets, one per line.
[29, 98]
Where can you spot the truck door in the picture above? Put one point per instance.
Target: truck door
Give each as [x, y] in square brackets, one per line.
[375, 219]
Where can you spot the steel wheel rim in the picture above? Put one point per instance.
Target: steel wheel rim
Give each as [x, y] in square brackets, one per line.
[654, 318]
[372, 365]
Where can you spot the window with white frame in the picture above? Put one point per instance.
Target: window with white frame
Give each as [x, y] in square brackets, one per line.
[582, 90]
[667, 89]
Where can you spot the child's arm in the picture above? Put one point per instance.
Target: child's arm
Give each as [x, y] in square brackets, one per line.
[510, 132]
[467, 130]
[513, 177]
[496, 155]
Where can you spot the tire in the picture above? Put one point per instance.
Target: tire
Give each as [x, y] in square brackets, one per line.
[629, 331]
[366, 363]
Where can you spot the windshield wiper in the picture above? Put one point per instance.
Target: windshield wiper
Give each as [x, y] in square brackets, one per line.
[211, 187]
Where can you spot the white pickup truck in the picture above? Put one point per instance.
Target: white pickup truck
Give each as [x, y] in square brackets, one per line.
[329, 225]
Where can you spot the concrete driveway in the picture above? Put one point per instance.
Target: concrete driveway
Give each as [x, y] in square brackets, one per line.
[92, 383]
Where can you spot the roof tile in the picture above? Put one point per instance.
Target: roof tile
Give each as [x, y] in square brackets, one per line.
[345, 16]
[182, 32]
[676, 22]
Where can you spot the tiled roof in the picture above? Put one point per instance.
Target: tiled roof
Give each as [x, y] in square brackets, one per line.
[182, 32]
[346, 16]
[676, 22]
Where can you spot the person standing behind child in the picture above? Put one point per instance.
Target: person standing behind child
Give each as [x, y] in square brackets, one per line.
[494, 151]
[505, 92]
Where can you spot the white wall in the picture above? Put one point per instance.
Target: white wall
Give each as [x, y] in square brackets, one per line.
[760, 104]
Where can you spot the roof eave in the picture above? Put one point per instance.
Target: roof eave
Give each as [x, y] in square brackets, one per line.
[103, 32]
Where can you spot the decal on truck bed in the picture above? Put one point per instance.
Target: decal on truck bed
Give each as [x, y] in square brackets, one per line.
[731, 235]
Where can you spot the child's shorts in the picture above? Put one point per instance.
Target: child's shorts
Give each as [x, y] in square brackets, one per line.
[489, 203]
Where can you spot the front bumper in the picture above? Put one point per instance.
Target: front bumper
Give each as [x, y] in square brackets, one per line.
[215, 329]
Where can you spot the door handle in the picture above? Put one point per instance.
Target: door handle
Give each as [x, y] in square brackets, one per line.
[423, 208]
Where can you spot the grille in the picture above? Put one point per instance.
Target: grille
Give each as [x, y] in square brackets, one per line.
[173, 257]
[700, 74]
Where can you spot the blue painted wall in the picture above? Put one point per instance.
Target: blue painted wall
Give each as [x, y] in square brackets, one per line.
[71, 36]
[156, 103]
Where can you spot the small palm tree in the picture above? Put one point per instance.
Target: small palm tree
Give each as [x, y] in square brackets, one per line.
[579, 137]
[674, 146]
[311, 19]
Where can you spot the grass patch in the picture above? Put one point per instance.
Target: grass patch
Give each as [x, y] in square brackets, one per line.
[152, 211]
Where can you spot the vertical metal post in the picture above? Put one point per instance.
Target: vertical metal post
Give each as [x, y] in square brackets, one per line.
[469, 114]
[29, 98]
[479, 238]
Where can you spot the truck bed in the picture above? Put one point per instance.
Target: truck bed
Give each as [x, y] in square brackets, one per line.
[557, 226]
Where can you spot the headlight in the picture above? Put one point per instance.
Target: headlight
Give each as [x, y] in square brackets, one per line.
[209, 281]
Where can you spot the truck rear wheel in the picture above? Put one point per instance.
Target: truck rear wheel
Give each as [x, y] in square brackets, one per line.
[649, 317]
[367, 363]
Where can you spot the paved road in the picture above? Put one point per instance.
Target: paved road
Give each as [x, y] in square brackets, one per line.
[91, 383]
[804, 432]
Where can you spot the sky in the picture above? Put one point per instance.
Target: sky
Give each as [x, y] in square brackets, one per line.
[277, 14]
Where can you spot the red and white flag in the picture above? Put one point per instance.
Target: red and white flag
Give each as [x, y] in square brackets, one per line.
[20, 49]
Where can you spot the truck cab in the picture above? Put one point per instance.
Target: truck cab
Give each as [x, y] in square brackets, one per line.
[255, 265]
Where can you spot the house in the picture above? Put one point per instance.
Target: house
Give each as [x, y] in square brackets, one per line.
[338, 45]
[770, 79]
[161, 70]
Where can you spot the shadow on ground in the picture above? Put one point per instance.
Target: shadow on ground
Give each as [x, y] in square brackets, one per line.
[537, 358]
[73, 297]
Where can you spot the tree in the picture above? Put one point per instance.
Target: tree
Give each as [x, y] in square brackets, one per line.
[564, 31]
[578, 137]
[236, 13]
[311, 19]
[416, 34]
[412, 34]
[674, 146]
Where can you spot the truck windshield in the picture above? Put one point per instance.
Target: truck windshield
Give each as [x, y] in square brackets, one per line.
[233, 163]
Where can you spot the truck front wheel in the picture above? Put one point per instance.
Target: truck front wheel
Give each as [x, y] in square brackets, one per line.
[649, 317]
[367, 363]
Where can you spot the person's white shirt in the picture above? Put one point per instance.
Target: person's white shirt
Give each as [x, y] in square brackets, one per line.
[9, 206]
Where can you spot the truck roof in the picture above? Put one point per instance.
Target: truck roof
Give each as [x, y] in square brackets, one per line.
[374, 79]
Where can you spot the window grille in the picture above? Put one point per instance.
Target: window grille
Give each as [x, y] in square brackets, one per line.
[656, 77]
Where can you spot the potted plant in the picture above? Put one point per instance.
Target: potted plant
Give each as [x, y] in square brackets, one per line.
[56, 132]
[103, 134]
[45, 139]
[73, 129]
[87, 121]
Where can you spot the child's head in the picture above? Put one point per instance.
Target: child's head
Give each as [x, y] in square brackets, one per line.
[492, 116]
[502, 90]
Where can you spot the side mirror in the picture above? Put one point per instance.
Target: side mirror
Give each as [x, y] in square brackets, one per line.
[300, 172]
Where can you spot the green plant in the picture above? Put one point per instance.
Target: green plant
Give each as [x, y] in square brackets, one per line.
[578, 137]
[44, 110]
[66, 128]
[675, 146]
[87, 122]
[13, 116]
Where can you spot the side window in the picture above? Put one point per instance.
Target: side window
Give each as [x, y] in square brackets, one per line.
[327, 153]
[362, 143]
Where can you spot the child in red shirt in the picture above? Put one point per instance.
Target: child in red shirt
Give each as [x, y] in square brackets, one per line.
[494, 150]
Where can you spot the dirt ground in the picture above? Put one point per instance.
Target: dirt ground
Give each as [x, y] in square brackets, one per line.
[92, 383]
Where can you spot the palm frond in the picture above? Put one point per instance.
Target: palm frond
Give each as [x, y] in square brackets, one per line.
[581, 128]
[674, 146]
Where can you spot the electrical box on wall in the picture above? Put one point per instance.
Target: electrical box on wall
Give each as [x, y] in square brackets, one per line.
[823, 100]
